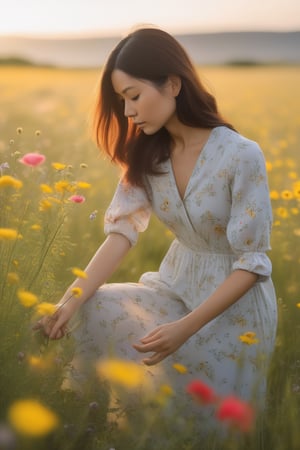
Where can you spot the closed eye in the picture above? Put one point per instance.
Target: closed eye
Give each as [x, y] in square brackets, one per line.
[135, 97]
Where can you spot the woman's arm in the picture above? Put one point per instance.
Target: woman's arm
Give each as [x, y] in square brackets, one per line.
[99, 269]
[167, 338]
[231, 290]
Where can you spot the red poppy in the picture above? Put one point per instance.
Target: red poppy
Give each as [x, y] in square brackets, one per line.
[201, 392]
[236, 412]
[32, 159]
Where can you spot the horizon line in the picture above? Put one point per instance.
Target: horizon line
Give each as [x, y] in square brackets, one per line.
[120, 34]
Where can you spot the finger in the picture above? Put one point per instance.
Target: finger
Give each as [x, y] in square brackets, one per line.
[58, 326]
[37, 326]
[151, 334]
[151, 338]
[59, 334]
[155, 359]
[50, 323]
[144, 348]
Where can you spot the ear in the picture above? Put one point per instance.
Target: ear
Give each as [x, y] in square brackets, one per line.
[175, 84]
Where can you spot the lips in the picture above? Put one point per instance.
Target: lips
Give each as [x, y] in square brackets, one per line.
[140, 124]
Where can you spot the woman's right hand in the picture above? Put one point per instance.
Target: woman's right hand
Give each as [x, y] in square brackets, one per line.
[56, 325]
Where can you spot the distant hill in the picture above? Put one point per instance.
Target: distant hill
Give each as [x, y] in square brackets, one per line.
[211, 48]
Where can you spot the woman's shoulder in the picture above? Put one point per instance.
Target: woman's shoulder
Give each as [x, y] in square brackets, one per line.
[236, 144]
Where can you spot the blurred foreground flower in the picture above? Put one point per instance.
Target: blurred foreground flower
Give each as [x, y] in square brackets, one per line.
[78, 272]
[127, 374]
[12, 278]
[9, 234]
[45, 309]
[63, 186]
[83, 185]
[31, 418]
[58, 166]
[32, 159]
[27, 298]
[77, 198]
[45, 188]
[180, 368]
[249, 338]
[77, 292]
[7, 180]
[164, 394]
[201, 392]
[236, 413]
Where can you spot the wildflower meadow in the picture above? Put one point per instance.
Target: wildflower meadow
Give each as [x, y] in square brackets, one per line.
[54, 189]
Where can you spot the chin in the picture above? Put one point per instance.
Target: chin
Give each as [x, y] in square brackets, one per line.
[150, 131]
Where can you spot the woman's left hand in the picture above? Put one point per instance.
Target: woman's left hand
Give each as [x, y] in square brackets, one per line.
[163, 341]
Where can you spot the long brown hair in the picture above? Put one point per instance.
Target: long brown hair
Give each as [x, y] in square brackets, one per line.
[150, 54]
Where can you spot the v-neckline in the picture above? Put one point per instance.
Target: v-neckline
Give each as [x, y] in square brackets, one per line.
[200, 156]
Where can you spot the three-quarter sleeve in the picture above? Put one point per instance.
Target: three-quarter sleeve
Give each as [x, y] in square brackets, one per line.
[128, 213]
[249, 227]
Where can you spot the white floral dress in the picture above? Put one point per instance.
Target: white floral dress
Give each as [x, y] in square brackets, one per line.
[222, 224]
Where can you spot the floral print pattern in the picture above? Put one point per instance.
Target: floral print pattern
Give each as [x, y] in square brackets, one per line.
[222, 224]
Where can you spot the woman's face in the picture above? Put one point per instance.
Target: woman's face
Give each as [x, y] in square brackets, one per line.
[148, 106]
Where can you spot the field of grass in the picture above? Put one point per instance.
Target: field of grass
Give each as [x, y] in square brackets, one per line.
[48, 110]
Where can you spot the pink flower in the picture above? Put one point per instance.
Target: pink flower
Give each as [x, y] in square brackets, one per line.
[77, 198]
[201, 392]
[236, 412]
[32, 159]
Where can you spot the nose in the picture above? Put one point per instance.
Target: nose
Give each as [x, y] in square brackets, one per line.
[129, 111]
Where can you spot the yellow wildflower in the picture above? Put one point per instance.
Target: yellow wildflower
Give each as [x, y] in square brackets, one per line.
[249, 338]
[166, 390]
[180, 368]
[36, 227]
[269, 166]
[63, 186]
[282, 212]
[298, 305]
[77, 292]
[296, 190]
[293, 175]
[12, 278]
[54, 200]
[58, 166]
[286, 194]
[37, 362]
[83, 185]
[45, 309]
[127, 374]
[79, 273]
[7, 180]
[83, 166]
[274, 195]
[296, 232]
[295, 211]
[9, 234]
[45, 188]
[29, 417]
[44, 205]
[27, 298]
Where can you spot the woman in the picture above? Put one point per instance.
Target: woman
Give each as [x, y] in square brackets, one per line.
[208, 185]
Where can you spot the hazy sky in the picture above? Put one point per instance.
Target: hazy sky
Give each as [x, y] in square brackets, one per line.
[118, 16]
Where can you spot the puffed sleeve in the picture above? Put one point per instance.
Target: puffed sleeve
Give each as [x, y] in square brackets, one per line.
[128, 213]
[250, 221]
